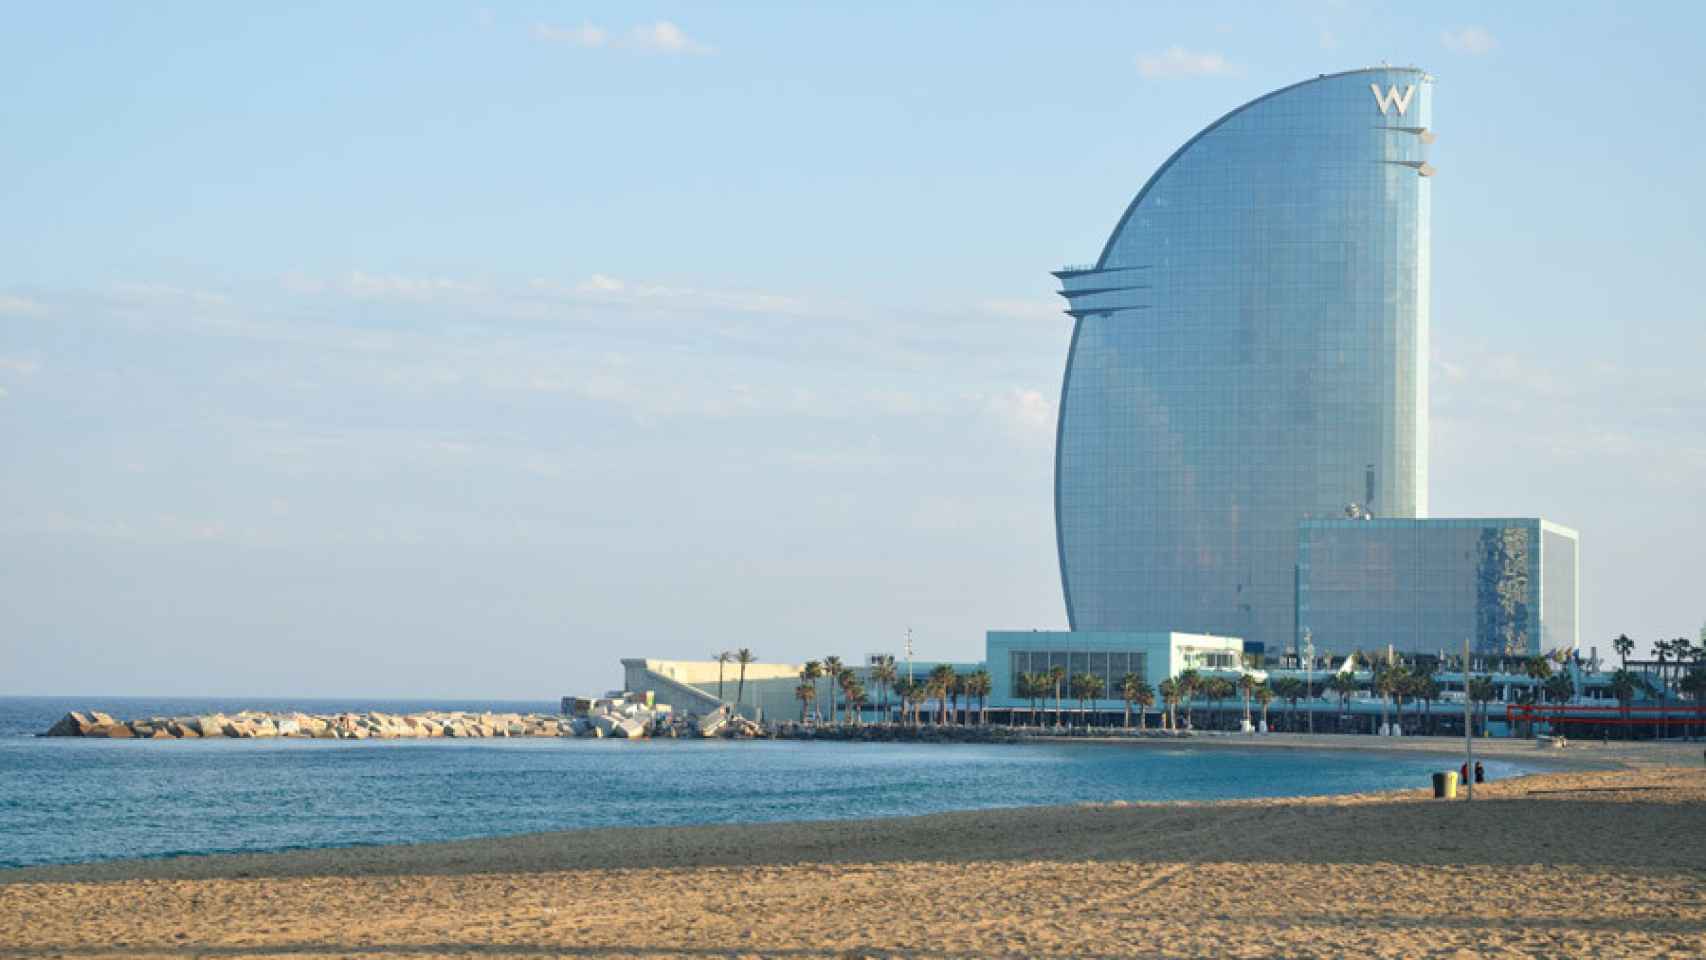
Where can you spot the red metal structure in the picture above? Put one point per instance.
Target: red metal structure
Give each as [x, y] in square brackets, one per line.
[1562, 714]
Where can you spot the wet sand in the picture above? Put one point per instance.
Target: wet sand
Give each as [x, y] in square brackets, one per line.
[1586, 862]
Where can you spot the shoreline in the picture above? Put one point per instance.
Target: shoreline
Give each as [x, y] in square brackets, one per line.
[1606, 863]
[1575, 759]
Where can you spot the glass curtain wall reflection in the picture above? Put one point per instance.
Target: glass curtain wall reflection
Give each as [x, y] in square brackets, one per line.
[1249, 351]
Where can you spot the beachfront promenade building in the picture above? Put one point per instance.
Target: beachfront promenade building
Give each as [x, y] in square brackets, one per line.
[691, 686]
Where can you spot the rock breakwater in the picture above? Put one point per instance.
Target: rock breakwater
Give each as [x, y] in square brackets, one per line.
[338, 726]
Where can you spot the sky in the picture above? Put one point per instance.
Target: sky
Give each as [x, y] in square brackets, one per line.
[437, 349]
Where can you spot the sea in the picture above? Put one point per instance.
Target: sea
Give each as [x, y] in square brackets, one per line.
[71, 800]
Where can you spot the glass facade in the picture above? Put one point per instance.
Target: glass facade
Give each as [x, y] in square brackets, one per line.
[1109, 654]
[1423, 585]
[1559, 587]
[1110, 665]
[1248, 352]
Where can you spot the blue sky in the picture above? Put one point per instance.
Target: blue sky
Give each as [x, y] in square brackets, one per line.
[430, 349]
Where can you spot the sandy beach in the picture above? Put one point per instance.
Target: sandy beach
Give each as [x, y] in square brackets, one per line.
[1581, 862]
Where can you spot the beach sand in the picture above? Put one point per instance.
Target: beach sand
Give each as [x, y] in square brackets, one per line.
[1604, 863]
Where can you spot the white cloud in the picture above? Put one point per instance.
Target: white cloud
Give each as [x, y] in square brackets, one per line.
[366, 286]
[1026, 412]
[585, 35]
[603, 288]
[1179, 62]
[661, 37]
[665, 37]
[164, 294]
[1470, 40]
[18, 306]
[21, 367]
[600, 283]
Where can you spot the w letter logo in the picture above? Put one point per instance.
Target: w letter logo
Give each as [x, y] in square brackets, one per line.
[1391, 98]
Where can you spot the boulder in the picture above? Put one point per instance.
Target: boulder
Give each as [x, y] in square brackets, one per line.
[73, 724]
[110, 731]
[210, 725]
[288, 727]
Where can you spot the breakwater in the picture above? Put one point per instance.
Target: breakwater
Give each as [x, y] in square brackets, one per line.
[339, 726]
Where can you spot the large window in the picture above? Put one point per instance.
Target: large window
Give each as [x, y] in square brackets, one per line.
[1110, 665]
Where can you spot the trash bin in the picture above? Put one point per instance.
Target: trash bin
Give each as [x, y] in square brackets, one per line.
[1445, 785]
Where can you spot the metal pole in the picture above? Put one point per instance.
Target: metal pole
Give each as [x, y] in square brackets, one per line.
[908, 654]
[1468, 724]
[1309, 675]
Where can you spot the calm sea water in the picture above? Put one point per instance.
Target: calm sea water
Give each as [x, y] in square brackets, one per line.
[68, 800]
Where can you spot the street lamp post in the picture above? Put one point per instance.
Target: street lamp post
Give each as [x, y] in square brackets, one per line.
[1309, 675]
[1468, 726]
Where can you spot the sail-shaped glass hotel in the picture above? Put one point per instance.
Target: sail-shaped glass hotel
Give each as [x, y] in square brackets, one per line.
[1248, 367]
[1249, 352]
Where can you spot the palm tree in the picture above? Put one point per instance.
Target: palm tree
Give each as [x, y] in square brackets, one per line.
[1403, 684]
[857, 699]
[811, 673]
[1264, 696]
[1144, 697]
[884, 675]
[1220, 689]
[1169, 690]
[1290, 689]
[1086, 687]
[904, 689]
[979, 685]
[1076, 685]
[1344, 685]
[743, 657]
[1624, 646]
[1129, 692]
[1428, 689]
[805, 693]
[956, 687]
[1056, 676]
[831, 670]
[1694, 684]
[1189, 683]
[852, 694]
[942, 678]
[1247, 686]
[1482, 691]
[722, 660]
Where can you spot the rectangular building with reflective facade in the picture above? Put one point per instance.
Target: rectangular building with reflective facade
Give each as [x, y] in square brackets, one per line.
[1422, 585]
[1107, 655]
